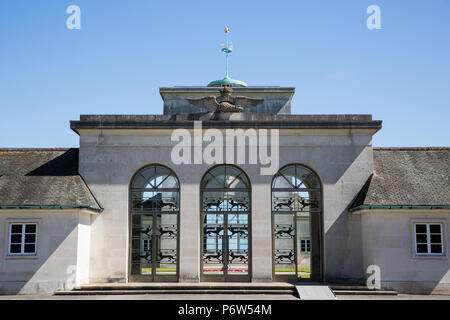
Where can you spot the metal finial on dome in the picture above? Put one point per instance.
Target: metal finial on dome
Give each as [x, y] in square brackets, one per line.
[227, 48]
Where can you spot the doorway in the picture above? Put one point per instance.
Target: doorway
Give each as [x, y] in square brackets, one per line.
[154, 225]
[225, 225]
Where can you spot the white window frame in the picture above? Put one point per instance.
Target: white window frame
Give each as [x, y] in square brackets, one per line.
[428, 234]
[307, 246]
[23, 233]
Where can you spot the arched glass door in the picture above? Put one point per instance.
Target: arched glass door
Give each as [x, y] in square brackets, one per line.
[154, 221]
[225, 225]
[296, 222]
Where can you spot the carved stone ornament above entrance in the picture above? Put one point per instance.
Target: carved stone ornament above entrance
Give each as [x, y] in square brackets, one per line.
[225, 102]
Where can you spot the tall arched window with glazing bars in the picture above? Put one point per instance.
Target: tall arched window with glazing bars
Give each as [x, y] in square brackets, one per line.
[225, 224]
[296, 224]
[154, 224]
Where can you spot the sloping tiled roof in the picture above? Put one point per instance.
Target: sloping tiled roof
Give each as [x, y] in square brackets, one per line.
[407, 177]
[46, 178]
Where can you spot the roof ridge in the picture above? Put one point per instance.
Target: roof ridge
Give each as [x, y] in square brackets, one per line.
[410, 148]
[35, 149]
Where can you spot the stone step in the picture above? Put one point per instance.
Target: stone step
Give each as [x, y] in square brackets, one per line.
[172, 291]
[186, 286]
[347, 287]
[210, 288]
[344, 289]
[366, 292]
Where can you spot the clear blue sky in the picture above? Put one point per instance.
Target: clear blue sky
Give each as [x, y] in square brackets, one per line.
[126, 50]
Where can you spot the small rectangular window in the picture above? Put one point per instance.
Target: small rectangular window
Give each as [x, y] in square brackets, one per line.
[22, 239]
[428, 239]
[305, 245]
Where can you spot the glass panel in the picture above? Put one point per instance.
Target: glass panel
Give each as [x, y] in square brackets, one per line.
[30, 248]
[284, 244]
[225, 177]
[296, 177]
[155, 177]
[16, 228]
[166, 257]
[436, 248]
[15, 248]
[213, 201]
[236, 201]
[295, 201]
[30, 228]
[435, 228]
[141, 244]
[435, 238]
[303, 256]
[139, 181]
[421, 238]
[310, 181]
[237, 244]
[151, 201]
[290, 175]
[225, 201]
[236, 178]
[315, 201]
[150, 176]
[422, 248]
[170, 183]
[213, 182]
[421, 228]
[282, 182]
[213, 231]
[16, 238]
[30, 238]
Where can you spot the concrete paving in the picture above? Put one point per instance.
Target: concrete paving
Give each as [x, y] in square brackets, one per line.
[218, 297]
[156, 297]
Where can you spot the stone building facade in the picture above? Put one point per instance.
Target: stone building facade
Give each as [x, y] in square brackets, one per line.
[120, 209]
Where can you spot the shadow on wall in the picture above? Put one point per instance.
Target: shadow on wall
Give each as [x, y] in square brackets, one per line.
[355, 242]
[342, 230]
[53, 267]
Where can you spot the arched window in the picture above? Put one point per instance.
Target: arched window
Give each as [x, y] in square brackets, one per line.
[225, 221]
[154, 213]
[296, 211]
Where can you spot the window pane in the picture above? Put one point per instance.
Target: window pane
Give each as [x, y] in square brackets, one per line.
[16, 238]
[421, 238]
[30, 228]
[30, 248]
[435, 238]
[422, 248]
[436, 248]
[30, 238]
[421, 228]
[15, 248]
[16, 228]
[435, 228]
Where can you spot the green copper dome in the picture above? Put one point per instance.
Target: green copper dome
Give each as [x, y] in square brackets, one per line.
[227, 80]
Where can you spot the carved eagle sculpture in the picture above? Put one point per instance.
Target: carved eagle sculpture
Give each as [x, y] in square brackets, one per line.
[225, 102]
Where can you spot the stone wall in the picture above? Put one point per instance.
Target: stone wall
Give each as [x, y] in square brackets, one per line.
[388, 242]
[61, 259]
[109, 158]
[277, 100]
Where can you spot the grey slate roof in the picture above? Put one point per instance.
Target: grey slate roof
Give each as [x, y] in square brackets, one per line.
[49, 178]
[45, 178]
[407, 177]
